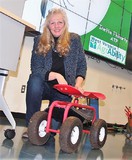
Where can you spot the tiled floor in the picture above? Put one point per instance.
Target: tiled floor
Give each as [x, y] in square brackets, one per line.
[115, 148]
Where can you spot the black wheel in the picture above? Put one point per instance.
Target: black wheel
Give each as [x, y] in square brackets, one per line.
[10, 133]
[70, 134]
[98, 134]
[36, 129]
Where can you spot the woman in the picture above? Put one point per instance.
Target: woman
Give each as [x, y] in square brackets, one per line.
[57, 57]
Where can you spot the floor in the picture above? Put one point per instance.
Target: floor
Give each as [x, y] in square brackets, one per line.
[117, 147]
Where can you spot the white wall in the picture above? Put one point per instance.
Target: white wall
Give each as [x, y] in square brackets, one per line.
[13, 6]
[100, 78]
[15, 99]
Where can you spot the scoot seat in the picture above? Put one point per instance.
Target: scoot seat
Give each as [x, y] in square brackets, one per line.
[72, 91]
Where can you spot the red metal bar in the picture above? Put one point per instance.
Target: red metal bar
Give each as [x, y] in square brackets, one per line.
[86, 131]
[66, 106]
[58, 104]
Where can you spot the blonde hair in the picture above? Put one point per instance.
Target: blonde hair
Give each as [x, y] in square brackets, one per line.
[47, 40]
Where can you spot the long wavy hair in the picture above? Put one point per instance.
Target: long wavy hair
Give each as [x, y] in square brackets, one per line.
[47, 40]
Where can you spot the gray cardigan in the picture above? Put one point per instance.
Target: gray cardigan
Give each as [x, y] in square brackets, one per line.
[74, 63]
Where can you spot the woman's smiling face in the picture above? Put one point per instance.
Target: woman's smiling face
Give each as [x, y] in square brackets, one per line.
[56, 24]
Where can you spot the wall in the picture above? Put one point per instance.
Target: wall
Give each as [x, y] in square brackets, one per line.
[100, 78]
[13, 6]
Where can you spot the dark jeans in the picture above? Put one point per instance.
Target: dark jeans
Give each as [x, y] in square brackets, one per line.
[38, 90]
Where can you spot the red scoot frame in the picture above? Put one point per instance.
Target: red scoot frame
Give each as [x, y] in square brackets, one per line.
[71, 91]
[72, 127]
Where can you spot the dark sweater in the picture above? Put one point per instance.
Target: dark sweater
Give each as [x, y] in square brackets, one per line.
[74, 63]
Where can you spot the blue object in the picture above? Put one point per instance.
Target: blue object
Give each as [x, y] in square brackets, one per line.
[95, 103]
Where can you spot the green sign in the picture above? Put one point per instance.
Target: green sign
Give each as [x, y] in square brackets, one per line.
[110, 37]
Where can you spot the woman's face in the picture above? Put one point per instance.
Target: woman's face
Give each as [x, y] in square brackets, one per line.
[56, 25]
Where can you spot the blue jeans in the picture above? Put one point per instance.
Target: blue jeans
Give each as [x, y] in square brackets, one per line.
[38, 90]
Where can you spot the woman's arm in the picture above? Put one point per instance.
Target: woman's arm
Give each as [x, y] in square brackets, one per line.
[78, 84]
[58, 77]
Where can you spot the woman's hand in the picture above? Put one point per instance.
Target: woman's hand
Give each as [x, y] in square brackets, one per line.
[80, 89]
[58, 77]
[78, 84]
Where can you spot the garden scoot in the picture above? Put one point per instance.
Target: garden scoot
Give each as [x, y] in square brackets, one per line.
[72, 128]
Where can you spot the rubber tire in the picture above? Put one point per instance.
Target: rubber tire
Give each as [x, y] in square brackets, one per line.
[65, 134]
[10, 133]
[95, 141]
[33, 128]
